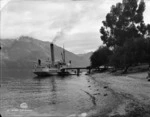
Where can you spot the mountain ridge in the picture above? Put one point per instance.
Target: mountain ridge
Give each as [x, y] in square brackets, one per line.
[86, 56]
[24, 51]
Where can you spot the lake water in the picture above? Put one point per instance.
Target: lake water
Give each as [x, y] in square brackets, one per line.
[24, 95]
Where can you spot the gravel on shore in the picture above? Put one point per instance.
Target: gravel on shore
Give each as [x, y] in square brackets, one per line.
[132, 89]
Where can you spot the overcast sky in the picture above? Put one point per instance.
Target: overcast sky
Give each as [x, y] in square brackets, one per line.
[74, 23]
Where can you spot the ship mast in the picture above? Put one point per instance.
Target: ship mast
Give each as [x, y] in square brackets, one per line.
[64, 54]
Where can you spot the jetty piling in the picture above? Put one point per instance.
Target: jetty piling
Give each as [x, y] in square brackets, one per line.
[77, 69]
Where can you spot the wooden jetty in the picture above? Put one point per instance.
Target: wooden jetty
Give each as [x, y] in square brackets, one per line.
[77, 69]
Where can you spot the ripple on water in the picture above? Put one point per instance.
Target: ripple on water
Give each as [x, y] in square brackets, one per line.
[52, 95]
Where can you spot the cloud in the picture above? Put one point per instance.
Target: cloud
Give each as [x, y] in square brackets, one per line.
[81, 42]
[147, 11]
[63, 20]
[3, 3]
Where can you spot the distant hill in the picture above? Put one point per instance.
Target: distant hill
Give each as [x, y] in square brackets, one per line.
[86, 56]
[23, 52]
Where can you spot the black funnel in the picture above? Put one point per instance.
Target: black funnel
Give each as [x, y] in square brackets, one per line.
[52, 54]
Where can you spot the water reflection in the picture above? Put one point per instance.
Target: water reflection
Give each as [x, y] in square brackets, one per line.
[50, 95]
[53, 91]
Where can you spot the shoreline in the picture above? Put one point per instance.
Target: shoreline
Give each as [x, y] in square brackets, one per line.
[133, 91]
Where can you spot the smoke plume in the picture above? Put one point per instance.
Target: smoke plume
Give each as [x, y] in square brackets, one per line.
[58, 35]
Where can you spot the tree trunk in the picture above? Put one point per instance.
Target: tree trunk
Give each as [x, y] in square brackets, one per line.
[125, 69]
[114, 70]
